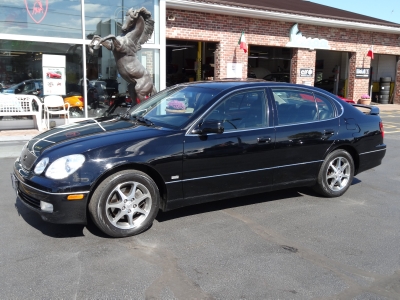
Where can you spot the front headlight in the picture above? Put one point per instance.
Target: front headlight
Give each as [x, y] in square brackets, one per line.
[41, 166]
[65, 166]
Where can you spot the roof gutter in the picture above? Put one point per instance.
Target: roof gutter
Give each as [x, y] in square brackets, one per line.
[277, 16]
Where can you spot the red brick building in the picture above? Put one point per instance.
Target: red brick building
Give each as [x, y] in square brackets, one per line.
[329, 43]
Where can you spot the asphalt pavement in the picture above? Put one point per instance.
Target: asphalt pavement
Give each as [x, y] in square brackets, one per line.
[291, 244]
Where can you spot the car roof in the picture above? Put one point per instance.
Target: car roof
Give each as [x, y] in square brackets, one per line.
[226, 84]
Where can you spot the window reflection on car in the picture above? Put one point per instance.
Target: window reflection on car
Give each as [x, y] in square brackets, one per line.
[174, 107]
[278, 77]
[297, 106]
[241, 110]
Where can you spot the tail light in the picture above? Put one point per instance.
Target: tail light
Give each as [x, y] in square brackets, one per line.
[381, 129]
[80, 98]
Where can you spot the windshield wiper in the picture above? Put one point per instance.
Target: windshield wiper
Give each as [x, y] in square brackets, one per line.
[125, 116]
[145, 121]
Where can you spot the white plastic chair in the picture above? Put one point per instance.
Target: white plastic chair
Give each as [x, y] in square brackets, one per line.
[54, 105]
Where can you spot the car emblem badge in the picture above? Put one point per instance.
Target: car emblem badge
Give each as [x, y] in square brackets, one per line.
[72, 134]
[36, 10]
[25, 156]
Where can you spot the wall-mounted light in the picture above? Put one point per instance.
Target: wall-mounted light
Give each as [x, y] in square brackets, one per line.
[171, 17]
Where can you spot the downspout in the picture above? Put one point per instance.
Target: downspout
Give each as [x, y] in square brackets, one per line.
[198, 73]
[395, 80]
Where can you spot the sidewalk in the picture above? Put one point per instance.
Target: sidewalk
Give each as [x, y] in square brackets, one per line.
[27, 134]
[18, 134]
[387, 107]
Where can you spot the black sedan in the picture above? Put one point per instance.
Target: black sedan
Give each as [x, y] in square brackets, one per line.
[194, 143]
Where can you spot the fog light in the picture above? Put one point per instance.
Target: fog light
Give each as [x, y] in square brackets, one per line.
[47, 207]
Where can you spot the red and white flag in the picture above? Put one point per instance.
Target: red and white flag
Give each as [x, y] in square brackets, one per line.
[242, 43]
[371, 52]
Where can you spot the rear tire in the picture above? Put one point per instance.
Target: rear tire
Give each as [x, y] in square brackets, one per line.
[336, 174]
[125, 203]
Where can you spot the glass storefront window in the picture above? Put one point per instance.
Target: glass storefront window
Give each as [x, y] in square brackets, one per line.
[105, 17]
[22, 60]
[111, 89]
[61, 18]
[21, 70]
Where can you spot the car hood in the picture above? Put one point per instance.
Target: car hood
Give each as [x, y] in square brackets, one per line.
[111, 130]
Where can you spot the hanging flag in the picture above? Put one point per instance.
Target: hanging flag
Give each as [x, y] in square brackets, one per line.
[371, 52]
[242, 43]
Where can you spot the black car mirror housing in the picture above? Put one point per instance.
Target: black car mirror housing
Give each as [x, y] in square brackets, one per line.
[209, 126]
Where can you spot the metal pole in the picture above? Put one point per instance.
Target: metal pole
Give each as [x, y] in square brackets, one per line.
[122, 13]
[84, 57]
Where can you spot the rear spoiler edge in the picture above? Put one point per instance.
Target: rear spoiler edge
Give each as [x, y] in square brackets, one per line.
[374, 109]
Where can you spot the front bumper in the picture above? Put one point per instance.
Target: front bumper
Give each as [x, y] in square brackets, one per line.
[64, 211]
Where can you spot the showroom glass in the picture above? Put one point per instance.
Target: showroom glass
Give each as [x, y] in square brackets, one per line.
[23, 62]
[241, 110]
[104, 17]
[60, 18]
[174, 107]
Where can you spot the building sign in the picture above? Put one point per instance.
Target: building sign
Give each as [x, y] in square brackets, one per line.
[234, 70]
[362, 72]
[308, 72]
[297, 40]
[53, 74]
[36, 10]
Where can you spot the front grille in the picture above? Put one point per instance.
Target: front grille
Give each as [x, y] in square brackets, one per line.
[29, 200]
[27, 159]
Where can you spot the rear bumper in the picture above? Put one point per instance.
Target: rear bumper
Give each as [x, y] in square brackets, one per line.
[64, 211]
[371, 159]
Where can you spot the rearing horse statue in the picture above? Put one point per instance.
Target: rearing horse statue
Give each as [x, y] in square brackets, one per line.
[136, 31]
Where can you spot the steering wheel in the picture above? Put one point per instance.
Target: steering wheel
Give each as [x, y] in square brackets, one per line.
[226, 120]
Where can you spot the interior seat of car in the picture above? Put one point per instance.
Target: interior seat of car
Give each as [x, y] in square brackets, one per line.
[306, 113]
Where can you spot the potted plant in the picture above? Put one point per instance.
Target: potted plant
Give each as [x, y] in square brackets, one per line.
[365, 99]
[175, 106]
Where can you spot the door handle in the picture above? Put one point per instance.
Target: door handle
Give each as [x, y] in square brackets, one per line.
[264, 139]
[329, 132]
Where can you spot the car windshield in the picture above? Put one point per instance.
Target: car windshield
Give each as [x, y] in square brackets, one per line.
[174, 107]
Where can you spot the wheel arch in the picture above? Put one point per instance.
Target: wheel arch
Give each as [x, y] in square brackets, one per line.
[138, 167]
[352, 151]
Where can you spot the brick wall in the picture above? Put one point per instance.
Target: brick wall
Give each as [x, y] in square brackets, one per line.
[226, 30]
[302, 58]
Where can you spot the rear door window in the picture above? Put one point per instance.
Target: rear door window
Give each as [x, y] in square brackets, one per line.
[294, 106]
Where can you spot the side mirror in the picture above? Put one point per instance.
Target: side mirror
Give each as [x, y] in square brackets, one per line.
[209, 126]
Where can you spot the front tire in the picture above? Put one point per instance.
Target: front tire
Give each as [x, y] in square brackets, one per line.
[125, 203]
[336, 174]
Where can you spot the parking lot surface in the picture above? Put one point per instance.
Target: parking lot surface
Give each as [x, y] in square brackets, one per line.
[290, 244]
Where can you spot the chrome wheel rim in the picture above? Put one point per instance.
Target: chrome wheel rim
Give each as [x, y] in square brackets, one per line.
[128, 205]
[338, 174]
